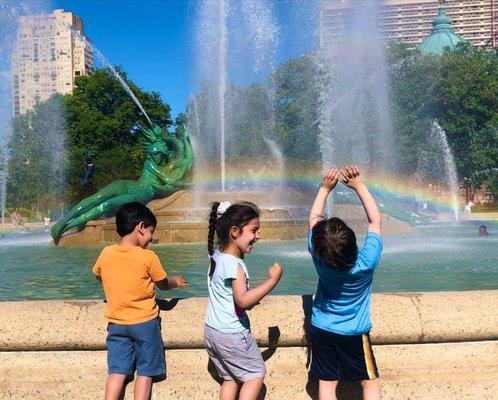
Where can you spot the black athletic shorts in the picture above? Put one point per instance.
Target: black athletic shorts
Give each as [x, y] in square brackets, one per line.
[335, 356]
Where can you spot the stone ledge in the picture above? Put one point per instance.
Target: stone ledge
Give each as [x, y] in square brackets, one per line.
[462, 371]
[404, 318]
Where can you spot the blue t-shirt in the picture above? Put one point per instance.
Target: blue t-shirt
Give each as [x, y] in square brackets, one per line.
[223, 314]
[342, 301]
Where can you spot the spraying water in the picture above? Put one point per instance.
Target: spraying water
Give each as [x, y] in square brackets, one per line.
[357, 128]
[10, 12]
[438, 135]
[235, 42]
[222, 54]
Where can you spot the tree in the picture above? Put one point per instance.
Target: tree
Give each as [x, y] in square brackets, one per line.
[100, 120]
[38, 161]
[296, 99]
[103, 121]
[460, 90]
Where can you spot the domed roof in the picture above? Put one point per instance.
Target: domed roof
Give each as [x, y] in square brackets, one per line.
[442, 35]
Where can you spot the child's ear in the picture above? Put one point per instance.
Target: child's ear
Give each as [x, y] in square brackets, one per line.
[141, 226]
[234, 232]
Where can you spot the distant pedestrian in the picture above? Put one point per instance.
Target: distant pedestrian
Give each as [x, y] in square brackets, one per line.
[87, 170]
[16, 218]
[468, 207]
[46, 223]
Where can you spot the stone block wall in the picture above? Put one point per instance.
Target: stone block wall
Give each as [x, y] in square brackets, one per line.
[439, 345]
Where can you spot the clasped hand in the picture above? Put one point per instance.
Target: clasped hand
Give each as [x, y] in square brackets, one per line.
[350, 176]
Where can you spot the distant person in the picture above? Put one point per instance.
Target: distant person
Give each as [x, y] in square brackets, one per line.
[16, 218]
[46, 223]
[340, 320]
[87, 170]
[468, 207]
[227, 336]
[483, 230]
[128, 272]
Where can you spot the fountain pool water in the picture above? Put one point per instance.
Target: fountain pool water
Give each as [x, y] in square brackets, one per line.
[440, 256]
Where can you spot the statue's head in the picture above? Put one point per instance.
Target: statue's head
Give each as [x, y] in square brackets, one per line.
[158, 151]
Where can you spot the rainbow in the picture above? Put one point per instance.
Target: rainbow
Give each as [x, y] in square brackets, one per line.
[388, 186]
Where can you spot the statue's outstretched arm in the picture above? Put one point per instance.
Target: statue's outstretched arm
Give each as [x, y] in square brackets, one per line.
[187, 156]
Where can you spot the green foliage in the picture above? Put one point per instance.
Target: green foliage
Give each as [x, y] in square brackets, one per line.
[38, 159]
[100, 121]
[284, 110]
[297, 99]
[460, 90]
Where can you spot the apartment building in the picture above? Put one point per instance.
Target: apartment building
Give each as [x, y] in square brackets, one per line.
[50, 51]
[410, 21]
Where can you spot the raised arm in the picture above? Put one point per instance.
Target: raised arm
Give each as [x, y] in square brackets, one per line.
[351, 178]
[246, 299]
[329, 182]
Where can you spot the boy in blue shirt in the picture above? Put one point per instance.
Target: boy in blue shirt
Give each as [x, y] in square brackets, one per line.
[340, 320]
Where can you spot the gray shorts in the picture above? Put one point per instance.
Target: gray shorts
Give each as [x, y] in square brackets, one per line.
[236, 356]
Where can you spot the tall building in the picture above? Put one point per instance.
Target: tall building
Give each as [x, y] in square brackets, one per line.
[409, 21]
[50, 51]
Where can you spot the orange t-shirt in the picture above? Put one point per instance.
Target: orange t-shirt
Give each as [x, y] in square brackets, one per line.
[128, 275]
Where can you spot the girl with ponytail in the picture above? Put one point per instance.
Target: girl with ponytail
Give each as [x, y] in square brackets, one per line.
[227, 337]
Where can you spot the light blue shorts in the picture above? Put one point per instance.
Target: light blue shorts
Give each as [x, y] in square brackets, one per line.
[236, 356]
[137, 347]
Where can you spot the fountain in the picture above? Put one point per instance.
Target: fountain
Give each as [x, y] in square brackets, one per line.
[219, 25]
[236, 51]
[438, 165]
[442, 256]
[355, 122]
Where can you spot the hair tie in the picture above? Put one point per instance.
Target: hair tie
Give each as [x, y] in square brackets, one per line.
[222, 208]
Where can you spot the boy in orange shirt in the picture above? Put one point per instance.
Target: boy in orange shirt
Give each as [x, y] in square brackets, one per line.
[128, 272]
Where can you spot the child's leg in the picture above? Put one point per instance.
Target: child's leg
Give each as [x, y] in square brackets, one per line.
[250, 389]
[143, 387]
[114, 386]
[326, 390]
[371, 389]
[228, 390]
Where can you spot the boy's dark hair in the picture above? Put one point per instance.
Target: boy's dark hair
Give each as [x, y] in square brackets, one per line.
[238, 214]
[335, 243]
[130, 215]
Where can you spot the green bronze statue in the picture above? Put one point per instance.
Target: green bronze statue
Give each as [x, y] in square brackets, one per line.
[168, 158]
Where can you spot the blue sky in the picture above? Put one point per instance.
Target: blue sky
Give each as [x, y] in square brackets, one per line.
[149, 39]
[153, 39]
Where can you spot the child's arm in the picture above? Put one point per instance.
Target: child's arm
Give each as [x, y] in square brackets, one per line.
[171, 283]
[247, 299]
[328, 183]
[351, 178]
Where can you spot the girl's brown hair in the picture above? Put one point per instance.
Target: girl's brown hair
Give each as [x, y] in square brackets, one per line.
[238, 215]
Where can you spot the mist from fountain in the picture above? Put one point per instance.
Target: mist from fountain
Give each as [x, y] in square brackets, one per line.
[234, 41]
[222, 77]
[438, 164]
[9, 22]
[3, 182]
[356, 129]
